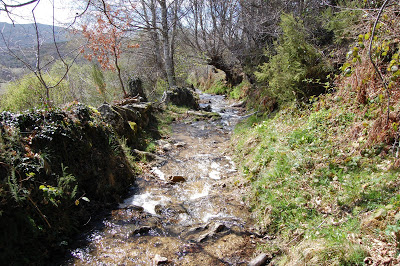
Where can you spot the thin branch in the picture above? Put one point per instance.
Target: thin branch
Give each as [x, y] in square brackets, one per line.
[372, 61]
[19, 5]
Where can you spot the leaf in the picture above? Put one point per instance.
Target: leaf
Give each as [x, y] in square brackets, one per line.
[42, 187]
[86, 199]
[76, 202]
[395, 125]
[367, 35]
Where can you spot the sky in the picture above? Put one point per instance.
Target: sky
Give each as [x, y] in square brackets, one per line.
[64, 11]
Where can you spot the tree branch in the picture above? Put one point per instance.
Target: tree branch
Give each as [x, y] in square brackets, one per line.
[372, 61]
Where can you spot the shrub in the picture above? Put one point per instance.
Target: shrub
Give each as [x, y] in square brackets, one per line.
[297, 70]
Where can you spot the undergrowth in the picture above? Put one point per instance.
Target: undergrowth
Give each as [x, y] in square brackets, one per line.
[311, 182]
[324, 175]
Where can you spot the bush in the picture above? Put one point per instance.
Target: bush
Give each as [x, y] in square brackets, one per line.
[297, 70]
[25, 93]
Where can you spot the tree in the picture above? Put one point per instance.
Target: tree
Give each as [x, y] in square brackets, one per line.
[295, 61]
[105, 39]
[41, 66]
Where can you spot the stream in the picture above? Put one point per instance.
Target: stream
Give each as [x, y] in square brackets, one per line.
[185, 209]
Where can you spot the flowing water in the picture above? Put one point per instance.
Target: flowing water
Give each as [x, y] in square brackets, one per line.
[184, 210]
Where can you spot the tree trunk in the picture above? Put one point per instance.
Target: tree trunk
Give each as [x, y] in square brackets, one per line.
[155, 37]
[232, 77]
[166, 47]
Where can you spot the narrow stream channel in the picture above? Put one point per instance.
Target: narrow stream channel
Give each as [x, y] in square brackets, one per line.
[184, 210]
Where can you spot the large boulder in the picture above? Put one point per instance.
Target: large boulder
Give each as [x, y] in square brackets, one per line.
[128, 119]
[182, 97]
[121, 126]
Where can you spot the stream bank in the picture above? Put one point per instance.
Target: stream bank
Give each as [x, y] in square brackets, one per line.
[184, 209]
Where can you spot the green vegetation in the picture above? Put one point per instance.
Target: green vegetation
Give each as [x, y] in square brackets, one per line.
[58, 168]
[85, 82]
[309, 182]
[320, 157]
[294, 61]
[323, 175]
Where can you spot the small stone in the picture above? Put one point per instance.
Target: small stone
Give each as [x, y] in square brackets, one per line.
[176, 178]
[180, 144]
[135, 208]
[142, 230]
[368, 261]
[260, 260]
[159, 260]
[218, 228]
[167, 147]
[203, 237]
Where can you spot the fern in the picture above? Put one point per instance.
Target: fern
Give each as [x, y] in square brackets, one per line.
[15, 191]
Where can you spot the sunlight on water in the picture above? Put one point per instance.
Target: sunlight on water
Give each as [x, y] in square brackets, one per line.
[158, 173]
[215, 165]
[147, 200]
[203, 193]
[214, 175]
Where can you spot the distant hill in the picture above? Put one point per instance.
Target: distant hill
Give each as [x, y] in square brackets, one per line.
[24, 35]
[22, 40]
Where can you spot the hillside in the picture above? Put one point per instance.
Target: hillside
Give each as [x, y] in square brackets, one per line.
[22, 40]
[323, 175]
[24, 35]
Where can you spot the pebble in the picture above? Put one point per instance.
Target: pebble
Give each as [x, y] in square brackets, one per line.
[260, 260]
[158, 260]
[180, 144]
[176, 178]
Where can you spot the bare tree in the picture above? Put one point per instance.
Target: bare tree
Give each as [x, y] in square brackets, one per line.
[41, 65]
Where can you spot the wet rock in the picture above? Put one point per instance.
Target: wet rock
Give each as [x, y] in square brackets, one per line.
[260, 260]
[159, 260]
[176, 178]
[170, 209]
[217, 228]
[135, 208]
[206, 108]
[148, 156]
[182, 97]
[239, 104]
[164, 145]
[180, 144]
[167, 147]
[142, 230]
[203, 237]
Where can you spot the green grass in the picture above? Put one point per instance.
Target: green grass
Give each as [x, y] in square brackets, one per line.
[305, 175]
